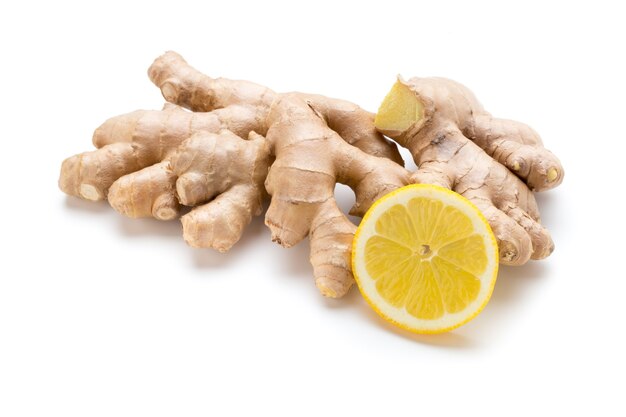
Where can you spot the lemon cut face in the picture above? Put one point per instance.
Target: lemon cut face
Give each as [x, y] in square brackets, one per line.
[425, 259]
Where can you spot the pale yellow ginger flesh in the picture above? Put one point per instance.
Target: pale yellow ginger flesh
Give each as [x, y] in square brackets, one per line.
[399, 110]
[221, 146]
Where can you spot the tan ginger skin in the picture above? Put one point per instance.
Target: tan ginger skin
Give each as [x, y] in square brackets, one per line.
[451, 138]
[241, 141]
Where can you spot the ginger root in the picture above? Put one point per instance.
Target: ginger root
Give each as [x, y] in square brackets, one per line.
[241, 141]
[458, 145]
[148, 161]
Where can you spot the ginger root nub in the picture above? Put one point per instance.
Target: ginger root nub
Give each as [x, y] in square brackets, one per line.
[400, 110]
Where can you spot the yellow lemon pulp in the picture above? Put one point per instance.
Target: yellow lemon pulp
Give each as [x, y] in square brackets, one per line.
[425, 258]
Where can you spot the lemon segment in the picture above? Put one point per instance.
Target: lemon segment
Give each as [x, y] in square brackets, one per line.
[425, 258]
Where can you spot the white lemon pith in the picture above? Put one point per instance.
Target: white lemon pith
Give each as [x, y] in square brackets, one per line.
[425, 259]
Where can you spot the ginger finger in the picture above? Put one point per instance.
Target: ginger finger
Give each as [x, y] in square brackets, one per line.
[421, 115]
[146, 193]
[422, 109]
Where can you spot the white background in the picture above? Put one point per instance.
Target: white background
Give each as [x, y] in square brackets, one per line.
[106, 316]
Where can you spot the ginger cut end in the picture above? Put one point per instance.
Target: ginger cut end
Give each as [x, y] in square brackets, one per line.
[400, 110]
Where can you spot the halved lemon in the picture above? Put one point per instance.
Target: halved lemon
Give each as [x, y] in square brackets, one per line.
[425, 259]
